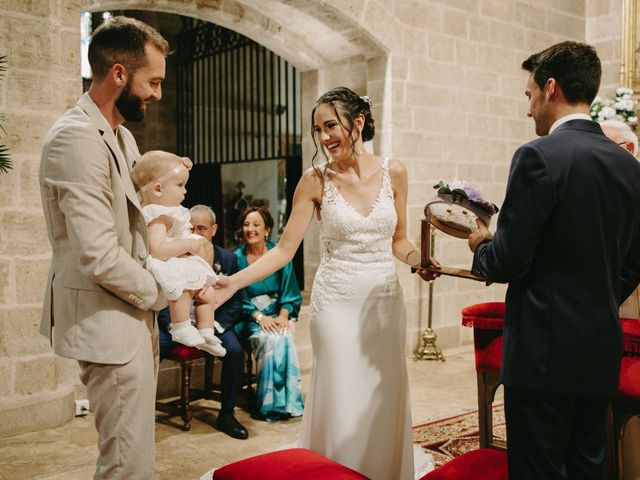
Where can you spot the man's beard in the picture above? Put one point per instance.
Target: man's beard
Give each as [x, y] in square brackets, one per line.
[129, 105]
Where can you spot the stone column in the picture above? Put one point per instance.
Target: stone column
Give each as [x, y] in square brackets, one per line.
[42, 45]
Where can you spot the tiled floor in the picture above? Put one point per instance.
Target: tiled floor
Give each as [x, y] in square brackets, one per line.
[438, 390]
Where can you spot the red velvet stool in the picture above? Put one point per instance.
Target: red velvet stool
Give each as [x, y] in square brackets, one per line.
[290, 464]
[487, 320]
[626, 401]
[185, 356]
[482, 464]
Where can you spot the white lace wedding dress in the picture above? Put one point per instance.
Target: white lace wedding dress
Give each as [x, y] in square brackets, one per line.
[357, 408]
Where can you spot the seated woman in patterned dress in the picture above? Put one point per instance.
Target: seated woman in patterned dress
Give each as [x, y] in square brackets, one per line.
[271, 307]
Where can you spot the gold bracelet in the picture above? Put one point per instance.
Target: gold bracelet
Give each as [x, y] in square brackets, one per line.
[258, 318]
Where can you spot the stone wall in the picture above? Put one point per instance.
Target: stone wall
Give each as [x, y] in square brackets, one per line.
[41, 41]
[445, 79]
[603, 31]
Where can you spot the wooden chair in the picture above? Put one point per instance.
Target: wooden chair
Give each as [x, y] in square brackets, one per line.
[487, 320]
[181, 407]
[489, 462]
[186, 356]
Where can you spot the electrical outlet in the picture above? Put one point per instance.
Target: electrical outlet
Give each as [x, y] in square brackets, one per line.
[82, 407]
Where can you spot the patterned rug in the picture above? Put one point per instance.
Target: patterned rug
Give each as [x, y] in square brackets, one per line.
[451, 437]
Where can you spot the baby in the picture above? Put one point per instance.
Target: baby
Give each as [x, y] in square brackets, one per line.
[177, 258]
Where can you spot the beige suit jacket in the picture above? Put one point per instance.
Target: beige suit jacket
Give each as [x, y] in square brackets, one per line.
[98, 293]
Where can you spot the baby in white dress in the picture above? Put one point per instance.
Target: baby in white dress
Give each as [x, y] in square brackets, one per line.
[180, 260]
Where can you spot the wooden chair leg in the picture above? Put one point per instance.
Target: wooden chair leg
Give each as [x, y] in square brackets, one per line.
[619, 419]
[485, 415]
[488, 383]
[208, 376]
[185, 409]
[611, 449]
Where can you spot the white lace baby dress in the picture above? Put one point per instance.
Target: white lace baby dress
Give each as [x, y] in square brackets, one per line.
[177, 273]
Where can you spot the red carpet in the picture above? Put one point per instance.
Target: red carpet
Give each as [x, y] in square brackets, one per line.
[451, 437]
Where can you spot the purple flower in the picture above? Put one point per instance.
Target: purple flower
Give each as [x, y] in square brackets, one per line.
[461, 190]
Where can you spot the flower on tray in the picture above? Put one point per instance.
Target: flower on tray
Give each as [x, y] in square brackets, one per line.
[461, 190]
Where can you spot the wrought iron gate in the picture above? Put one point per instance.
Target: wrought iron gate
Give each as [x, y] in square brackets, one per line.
[236, 102]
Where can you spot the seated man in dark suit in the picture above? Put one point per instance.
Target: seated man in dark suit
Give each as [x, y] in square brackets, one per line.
[227, 315]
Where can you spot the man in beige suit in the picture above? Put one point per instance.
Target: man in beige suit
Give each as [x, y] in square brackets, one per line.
[98, 298]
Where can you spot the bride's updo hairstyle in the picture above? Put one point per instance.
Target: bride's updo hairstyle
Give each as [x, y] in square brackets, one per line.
[347, 105]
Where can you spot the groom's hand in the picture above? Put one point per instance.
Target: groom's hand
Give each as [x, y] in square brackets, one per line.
[479, 235]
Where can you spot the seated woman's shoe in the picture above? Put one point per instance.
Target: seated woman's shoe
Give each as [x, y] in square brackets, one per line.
[228, 424]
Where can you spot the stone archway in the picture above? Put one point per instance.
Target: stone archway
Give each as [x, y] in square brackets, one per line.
[311, 35]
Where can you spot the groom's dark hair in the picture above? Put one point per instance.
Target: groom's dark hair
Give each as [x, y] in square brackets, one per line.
[575, 67]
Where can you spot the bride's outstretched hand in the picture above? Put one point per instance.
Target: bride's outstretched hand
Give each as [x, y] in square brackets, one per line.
[428, 275]
[224, 290]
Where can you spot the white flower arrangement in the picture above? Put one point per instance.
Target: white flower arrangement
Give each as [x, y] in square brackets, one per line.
[621, 107]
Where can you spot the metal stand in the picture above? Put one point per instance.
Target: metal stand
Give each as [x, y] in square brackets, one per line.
[429, 350]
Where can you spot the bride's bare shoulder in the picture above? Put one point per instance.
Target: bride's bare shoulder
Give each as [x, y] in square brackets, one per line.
[316, 173]
[397, 167]
[312, 181]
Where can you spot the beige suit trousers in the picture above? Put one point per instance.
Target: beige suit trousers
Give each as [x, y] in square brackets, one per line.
[123, 402]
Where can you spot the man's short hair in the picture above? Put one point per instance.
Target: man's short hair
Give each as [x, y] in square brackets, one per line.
[204, 209]
[122, 40]
[575, 67]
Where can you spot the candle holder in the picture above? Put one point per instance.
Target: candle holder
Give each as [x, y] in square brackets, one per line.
[429, 349]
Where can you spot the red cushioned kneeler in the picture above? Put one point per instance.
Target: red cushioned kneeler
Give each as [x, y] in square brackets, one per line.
[182, 352]
[487, 320]
[290, 464]
[482, 464]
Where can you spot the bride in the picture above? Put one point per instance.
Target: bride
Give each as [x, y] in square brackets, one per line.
[357, 407]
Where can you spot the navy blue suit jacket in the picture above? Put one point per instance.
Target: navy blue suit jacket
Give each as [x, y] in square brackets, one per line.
[230, 312]
[568, 244]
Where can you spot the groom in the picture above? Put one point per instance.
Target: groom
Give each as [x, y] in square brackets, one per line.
[566, 242]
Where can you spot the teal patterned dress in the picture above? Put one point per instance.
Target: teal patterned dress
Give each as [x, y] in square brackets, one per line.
[278, 370]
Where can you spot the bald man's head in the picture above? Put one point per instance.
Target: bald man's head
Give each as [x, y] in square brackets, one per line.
[622, 134]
